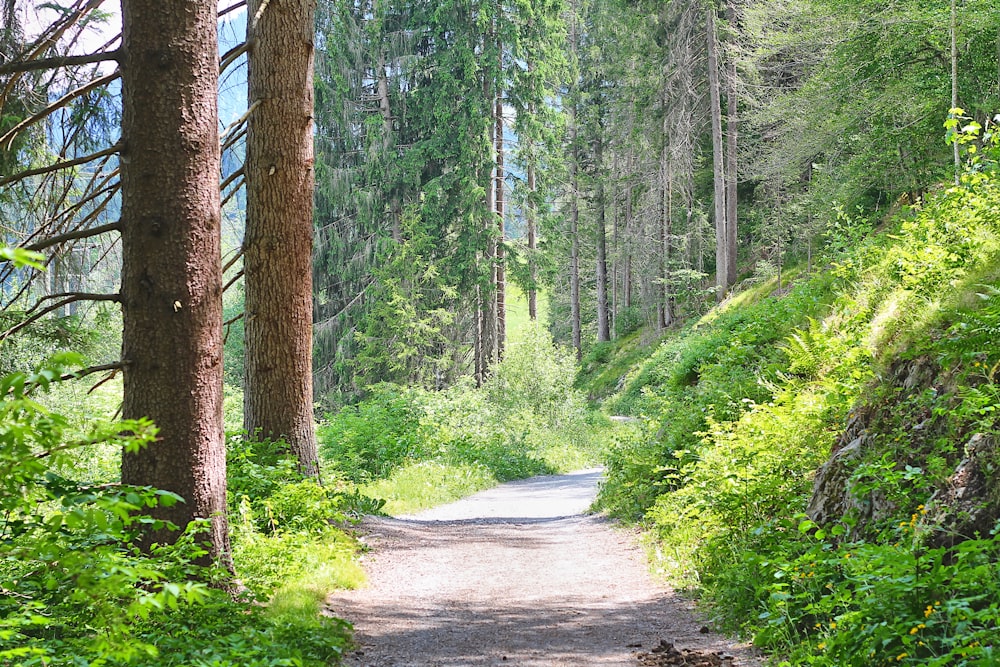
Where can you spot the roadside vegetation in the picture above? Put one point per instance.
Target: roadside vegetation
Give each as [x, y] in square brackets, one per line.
[886, 359]
[87, 594]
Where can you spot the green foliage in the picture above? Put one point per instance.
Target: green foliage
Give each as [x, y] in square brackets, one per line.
[415, 448]
[74, 589]
[868, 604]
[740, 410]
[427, 484]
[371, 439]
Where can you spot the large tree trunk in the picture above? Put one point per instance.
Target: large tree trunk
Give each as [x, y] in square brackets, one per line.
[574, 235]
[732, 129]
[718, 170]
[603, 318]
[278, 243]
[171, 261]
[501, 272]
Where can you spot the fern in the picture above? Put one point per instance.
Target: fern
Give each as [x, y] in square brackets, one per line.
[805, 349]
[977, 332]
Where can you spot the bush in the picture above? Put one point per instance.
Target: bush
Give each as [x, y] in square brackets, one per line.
[741, 410]
[75, 590]
[526, 420]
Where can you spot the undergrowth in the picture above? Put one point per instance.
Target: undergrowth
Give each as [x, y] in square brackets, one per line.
[416, 448]
[76, 590]
[739, 410]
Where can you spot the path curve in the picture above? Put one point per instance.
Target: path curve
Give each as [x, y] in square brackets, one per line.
[517, 575]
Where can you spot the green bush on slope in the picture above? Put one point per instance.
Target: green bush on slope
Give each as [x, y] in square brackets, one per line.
[742, 410]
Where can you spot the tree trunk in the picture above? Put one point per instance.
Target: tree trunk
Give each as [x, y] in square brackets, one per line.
[666, 314]
[487, 296]
[171, 261]
[574, 234]
[956, 154]
[501, 273]
[719, 179]
[603, 318]
[532, 242]
[616, 241]
[627, 269]
[278, 241]
[732, 129]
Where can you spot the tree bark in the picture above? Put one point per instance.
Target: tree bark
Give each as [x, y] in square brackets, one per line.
[574, 181]
[627, 269]
[718, 168]
[603, 318]
[574, 233]
[530, 214]
[278, 391]
[956, 153]
[171, 261]
[501, 272]
[732, 130]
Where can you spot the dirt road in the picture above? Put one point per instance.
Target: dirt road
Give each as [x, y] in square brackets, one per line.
[517, 575]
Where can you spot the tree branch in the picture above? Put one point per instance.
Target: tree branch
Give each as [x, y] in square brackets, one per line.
[229, 179]
[73, 236]
[51, 35]
[235, 258]
[229, 323]
[60, 61]
[232, 280]
[232, 192]
[77, 296]
[242, 119]
[58, 104]
[61, 165]
[56, 306]
[232, 8]
[231, 55]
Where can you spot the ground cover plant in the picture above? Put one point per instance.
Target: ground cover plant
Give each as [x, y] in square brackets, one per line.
[76, 589]
[888, 358]
[416, 448]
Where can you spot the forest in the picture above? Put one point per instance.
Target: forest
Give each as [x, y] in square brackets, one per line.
[269, 266]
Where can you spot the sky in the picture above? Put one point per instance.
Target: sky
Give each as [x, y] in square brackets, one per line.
[37, 14]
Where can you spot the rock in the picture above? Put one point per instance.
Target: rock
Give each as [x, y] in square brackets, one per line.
[969, 502]
[834, 495]
[667, 655]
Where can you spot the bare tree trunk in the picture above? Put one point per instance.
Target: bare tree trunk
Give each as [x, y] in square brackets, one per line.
[532, 242]
[616, 242]
[668, 224]
[487, 296]
[574, 214]
[171, 261]
[501, 272]
[719, 178]
[277, 246]
[732, 129]
[603, 319]
[627, 270]
[574, 232]
[957, 157]
[665, 311]
[385, 109]
[477, 341]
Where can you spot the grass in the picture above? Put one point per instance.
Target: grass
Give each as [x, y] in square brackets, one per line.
[427, 484]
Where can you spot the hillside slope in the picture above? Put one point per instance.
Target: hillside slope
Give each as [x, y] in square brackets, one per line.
[881, 373]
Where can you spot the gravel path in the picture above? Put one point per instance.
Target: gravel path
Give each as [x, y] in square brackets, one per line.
[516, 575]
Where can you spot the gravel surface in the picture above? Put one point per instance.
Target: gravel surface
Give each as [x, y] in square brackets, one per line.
[518, 575]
